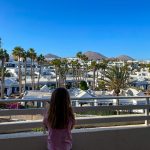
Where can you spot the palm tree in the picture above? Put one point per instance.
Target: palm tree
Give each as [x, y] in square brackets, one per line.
[18, 52]
[73, 67]
[83, 58]
[24, 56]
[94, 68]
[85, 66]
[79, 55]
[56, 63]
[103, 66]
[40, 60]
[116, 78]
[76, 66]
[61, 69]
[78, 73]
[6, 72]
[4, 56]
[32, 55]
[63, 72]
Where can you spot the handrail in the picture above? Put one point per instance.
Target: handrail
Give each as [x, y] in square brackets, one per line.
[74, 99]
[103, 119]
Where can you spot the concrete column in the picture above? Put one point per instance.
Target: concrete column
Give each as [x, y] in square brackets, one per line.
[147, 112]
[76, 103]
[95, 102]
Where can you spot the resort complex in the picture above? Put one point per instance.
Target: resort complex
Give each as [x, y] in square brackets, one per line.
[107, 95]
[91, 72]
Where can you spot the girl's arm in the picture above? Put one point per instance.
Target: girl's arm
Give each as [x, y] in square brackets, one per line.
[45, 123]
[73, 123]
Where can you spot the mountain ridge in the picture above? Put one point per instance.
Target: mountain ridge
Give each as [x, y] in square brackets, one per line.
[94, 55]
[49, 55]
[125, 58]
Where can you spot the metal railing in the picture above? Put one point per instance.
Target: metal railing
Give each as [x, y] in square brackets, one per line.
[94, 104]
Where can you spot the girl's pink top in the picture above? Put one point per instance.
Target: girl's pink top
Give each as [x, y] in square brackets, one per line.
[59, 139]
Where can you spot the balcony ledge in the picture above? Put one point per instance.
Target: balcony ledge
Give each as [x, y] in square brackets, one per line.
[134, 137]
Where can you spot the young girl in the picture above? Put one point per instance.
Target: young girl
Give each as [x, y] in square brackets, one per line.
[59, 121]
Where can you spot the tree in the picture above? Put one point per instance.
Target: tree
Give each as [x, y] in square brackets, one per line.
[6, 72]
[40, 60]
[4, 56]
[61, 69]
[84, 58]
[83, 85]
[24, 56]
[79, 55]
[63, 72]
[101, 85]
[73, 68]
[18, 52]
[78, 68]
[82, 71]
[116, 78]
[56, 63]
[32, 55]
[103, 66]
[94, 67]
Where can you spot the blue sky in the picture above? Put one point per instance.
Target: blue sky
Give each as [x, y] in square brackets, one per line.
[64, 27]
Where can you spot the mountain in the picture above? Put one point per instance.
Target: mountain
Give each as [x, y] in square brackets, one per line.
[94, 55]
[49, 56]
[124, 58]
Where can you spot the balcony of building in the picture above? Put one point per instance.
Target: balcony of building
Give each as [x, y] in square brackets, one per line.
[131, 133]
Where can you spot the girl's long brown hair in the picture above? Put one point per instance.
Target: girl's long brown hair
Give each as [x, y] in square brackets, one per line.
[60, 110]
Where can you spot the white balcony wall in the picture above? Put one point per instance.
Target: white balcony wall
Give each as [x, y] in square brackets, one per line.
[115, 138]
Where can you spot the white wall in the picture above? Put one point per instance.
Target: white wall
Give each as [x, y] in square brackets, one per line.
[115, 138]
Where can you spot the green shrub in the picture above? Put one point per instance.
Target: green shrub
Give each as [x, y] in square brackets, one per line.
[38, 129]
[83, 85]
